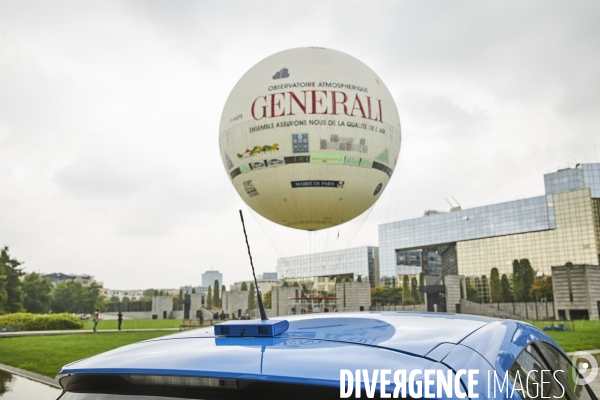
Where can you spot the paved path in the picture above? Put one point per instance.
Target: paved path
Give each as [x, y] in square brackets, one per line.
[81, 332]
[30, 375]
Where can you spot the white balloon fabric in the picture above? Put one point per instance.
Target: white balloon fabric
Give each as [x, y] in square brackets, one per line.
[310, 138]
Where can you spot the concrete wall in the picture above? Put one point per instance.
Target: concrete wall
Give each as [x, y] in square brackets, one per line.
[453, 285]
[234, 300]
[529, 310]
[196, 304]
[162, 306]
[582, 282]
[353, 295]
[280, 303]
[132, 314]
[400, 307]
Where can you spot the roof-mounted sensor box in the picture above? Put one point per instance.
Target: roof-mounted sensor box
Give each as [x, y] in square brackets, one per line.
[252, 328]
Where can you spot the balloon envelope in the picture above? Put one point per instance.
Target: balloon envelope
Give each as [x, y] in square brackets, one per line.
[310, 138]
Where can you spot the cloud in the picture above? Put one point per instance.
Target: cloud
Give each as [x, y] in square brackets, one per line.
[283, 73]
[109, 132]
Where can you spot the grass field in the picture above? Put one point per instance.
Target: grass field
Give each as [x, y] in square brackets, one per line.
[47, 354]
[586, 335]
[134, 324]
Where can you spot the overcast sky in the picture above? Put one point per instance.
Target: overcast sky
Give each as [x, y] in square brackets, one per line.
[109, 121]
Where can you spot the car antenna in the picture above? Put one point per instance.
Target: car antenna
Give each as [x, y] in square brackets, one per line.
[263, 328]
[261, 308]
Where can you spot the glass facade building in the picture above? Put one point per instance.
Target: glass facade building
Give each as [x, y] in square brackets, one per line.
[323, 268]
[209, 277]
[561, 226]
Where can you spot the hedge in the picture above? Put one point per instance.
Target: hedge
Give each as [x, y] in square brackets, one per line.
[36, 322]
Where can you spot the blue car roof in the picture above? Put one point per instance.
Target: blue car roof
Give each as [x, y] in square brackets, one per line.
[317, 346]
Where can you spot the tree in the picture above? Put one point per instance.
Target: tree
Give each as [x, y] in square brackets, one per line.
[11, 295]
[148, 293]
[414, 288]
[495, 286]
[91, 299]
[267, 299]
[359, 279]
[284, 284]
[209, 299]
[156, 292]
[304, 290]
[114, 300]
[472, 294]
[216, 297]
[406, 293]
[485, 289]
[542, 288]
[126, 299]
[517, 281]
[251, 297]
[506, 295]
[36, 294]
[245, 287]
[66, 297]
[384, 295]
[421, 284]
[528, 276]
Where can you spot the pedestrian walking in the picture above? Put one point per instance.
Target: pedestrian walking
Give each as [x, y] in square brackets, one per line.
[120, 318]
[96, 318]
[201, 317]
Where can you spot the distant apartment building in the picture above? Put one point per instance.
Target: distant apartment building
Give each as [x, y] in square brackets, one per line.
[85, 280]
[132, 295]
[265, 282]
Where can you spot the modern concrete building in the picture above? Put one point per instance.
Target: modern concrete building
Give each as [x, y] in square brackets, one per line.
[208, 278]
[561, 226]
[576, 290]
[320, 270]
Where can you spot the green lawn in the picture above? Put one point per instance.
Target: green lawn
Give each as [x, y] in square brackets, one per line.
[47, 354]
[586, 335]
[134, 324]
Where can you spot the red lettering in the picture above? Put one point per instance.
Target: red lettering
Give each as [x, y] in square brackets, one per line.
[360, 107]
[276, 104]
[335, 102]
[369, 108]
[294, 98]
[320, 101]
[264, 108]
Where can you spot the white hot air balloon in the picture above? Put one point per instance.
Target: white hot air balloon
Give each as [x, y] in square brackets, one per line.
[310, 138]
